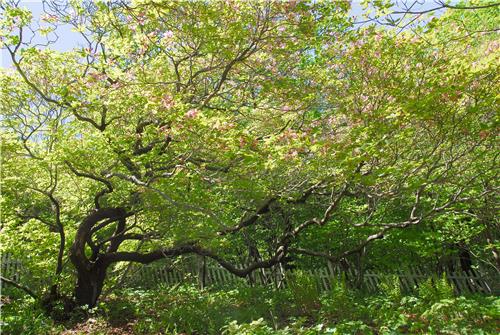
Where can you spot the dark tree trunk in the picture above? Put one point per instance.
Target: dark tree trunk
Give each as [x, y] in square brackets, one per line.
[91, 273]
[89, 285]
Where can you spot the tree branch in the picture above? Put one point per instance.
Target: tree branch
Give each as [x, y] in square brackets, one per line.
[193, 248]
[248, 221]
[19, 286]
[109, 186]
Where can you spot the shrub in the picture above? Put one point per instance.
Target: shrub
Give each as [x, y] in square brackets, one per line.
[463, 315]
[22, 315]
[390, 287]
[187, 309]
[435, 289]
[258, 327]
[304, 290]
[338, 304]
[258, 310]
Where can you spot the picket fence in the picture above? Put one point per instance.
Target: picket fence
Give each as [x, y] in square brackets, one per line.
[210, 274]
[325, 277]
[11, 268]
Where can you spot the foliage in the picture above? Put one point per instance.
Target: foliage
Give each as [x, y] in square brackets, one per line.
[340, 303]
[185, 309]
[304, 290]
[254, 134]
[391, 287]
[23, 315]
[435, 289]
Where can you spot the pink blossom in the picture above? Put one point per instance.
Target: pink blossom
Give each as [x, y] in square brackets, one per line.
[333, 66]
[233, 5]
[116, 85]
[168, 34]
[242, 142]
[483, 134]
[97, 76]
[167, 101]
[359, 43]
[165, 129]
[192, 113]
[223, 126]
[492, 46]
[167, 37]
[141, 19]
[292, 154]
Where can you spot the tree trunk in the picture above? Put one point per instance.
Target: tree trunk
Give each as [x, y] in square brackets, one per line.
[90, 272]
[89, 285]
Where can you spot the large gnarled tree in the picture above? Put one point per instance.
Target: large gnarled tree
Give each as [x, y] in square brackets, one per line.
[225, 129]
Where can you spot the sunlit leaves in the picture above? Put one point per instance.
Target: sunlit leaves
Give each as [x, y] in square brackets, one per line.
[196, 112]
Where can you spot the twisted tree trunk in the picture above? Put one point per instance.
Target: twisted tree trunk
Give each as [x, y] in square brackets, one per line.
[91, 271]
[89, 284]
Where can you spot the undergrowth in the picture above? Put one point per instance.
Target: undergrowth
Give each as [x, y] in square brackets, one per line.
[299, 309]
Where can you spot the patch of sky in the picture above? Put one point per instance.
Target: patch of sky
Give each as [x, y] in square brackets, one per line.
[63, 37]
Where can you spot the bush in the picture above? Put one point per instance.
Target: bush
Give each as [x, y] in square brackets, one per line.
[23, 315]
[463, 316]
[258, 327]
[391, 287]
[258, 310]
[435, 289]
[338, 304]
[305, 292]
[188, 309]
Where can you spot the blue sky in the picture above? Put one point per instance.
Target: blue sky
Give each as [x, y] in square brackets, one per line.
[69, 39]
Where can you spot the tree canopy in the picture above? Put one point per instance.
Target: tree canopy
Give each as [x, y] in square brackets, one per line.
[247, 132]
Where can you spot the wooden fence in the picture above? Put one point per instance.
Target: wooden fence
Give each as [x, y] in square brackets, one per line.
[11, 268]
[205, 274]
[325, 277]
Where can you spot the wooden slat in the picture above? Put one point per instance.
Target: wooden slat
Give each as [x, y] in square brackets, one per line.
[462, 285]
[323, 276]
[406, 283]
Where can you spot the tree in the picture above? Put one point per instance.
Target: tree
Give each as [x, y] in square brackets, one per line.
[217, 128]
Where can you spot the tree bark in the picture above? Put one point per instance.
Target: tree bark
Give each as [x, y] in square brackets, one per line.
[89, 284]
[90, 273]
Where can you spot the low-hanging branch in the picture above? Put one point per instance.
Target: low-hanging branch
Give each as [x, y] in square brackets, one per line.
[164, 195]
[251, 219]
[413, 219]
[26, 289]
[192, 248]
